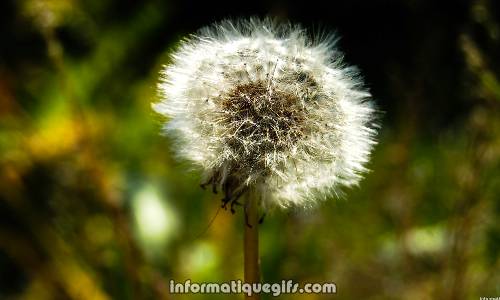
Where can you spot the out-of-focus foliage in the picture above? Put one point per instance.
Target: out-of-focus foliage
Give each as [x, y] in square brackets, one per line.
[94, 206]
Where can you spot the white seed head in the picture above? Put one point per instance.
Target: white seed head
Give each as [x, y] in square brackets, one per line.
[260, 105]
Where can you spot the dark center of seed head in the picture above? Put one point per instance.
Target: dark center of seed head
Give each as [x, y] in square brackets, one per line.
[261, 119]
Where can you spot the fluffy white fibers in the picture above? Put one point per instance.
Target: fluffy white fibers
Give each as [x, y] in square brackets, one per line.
[261, 105]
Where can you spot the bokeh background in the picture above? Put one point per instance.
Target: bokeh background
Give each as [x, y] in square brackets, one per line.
[93, 205]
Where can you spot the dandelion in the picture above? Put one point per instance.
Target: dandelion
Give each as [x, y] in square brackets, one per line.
[259, 105]
[267, 112]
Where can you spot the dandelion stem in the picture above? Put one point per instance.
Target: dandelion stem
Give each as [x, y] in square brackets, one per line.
[251, 242]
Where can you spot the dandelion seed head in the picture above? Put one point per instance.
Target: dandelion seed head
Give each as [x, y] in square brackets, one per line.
[256, 104]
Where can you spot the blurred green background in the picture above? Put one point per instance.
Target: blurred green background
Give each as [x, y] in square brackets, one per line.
[94, 206]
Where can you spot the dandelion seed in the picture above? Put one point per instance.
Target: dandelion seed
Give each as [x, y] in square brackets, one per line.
[260, 105]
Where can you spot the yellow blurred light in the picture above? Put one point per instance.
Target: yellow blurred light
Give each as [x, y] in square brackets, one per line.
[426, 239]
[48, 13]
[56, 136]
[200, 261]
